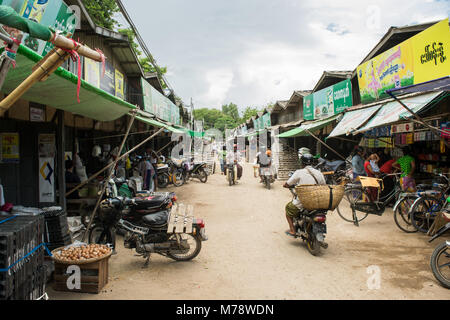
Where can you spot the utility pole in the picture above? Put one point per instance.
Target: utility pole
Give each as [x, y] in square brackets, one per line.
[192, 115]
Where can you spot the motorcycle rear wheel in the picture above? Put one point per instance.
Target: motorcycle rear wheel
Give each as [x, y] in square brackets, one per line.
[441, 251]
[313, 245]
[195, 245]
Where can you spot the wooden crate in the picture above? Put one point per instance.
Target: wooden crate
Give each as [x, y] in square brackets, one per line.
[94, 277]
[181, 219]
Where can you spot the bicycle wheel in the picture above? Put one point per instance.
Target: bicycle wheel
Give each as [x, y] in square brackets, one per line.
[424, 211]
[352, 196]
[402, 217]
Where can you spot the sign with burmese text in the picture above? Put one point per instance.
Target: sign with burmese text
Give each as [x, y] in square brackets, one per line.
[423, 57]
[328, 102]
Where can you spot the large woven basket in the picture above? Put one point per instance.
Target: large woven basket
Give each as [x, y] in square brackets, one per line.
[320, 197]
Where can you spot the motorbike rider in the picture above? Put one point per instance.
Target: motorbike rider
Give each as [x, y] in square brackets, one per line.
[235, 157]
[264, 162]
[305, 176]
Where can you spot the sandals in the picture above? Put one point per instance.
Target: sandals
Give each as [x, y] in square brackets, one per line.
[290, 234]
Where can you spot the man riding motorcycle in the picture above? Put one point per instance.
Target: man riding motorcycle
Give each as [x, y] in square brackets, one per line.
[306, 176]
[264, 162]
[235, 157]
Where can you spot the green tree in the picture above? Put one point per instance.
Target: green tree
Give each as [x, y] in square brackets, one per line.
[249, 112]
[102, 12]
[232, 111]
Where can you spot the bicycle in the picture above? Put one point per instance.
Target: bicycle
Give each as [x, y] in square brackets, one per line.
[358, 199]
[429, 203]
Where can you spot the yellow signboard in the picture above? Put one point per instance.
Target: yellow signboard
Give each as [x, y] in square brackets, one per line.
[416, 60]
[119, 85]
[9, 143]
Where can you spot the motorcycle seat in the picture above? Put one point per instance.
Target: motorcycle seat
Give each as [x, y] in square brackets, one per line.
[158, 218]
[150, 202]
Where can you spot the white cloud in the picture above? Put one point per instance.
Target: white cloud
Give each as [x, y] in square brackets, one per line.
[258, 51]
[219, 82]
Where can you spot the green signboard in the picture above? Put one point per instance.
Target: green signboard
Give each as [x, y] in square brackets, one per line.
[328, 102]
[159, 105]
[51, 13]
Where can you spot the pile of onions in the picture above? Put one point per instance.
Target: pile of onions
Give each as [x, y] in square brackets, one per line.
[85, 252]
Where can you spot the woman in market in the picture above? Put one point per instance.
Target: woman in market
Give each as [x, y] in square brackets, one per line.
[407, 166]
[371, 172]
[358, 163]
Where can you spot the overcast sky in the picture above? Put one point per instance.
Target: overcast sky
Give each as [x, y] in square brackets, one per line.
[253, 52]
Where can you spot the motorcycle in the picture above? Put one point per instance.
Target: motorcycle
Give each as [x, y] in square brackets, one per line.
[231, 174]
[163, 175]
[146, 226]
[195, 170]
[440, 259]
[337, 170]
[310, 226]
[267, 176]
[175, 172]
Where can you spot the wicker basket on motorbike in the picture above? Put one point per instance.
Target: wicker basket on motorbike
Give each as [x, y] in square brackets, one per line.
[320, 197]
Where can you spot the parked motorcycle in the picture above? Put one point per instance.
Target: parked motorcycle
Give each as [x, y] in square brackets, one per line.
[163, 175]
[311, 227]
[440, 259]
[337, 170]
[147, 230]
[176, 175]
[195, 170]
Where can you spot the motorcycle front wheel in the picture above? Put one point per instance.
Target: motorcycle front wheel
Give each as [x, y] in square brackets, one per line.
[267, 183]
[163, 180]
[203, 177]
[195, 245]
[178, 179]
[440, 264]
[100, 235]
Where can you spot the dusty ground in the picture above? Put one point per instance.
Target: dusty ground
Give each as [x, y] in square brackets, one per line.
[248, 256]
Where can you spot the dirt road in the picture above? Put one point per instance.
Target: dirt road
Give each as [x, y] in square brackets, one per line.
[248, 256]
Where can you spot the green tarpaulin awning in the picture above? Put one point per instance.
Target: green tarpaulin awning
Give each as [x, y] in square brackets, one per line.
[312, 126]
[158, 124]
[60, 91]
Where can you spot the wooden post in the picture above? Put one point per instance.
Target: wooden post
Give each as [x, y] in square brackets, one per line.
[57, 58]
[61, 148]
[111, 172]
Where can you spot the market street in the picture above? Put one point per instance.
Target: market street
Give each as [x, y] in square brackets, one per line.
[248, 256]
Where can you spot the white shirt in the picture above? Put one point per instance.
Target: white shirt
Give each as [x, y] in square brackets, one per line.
[303, 177]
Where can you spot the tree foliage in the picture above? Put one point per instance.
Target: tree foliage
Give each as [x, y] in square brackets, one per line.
[102, 12]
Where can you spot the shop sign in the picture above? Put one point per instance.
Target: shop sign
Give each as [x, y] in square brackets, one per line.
[403, 127]
[92, 72]
[47, 146]
[328, 102]
[107, 82]
[37, 114]
[423, 57]
[50, 13]
[46, 180]
[9, 147]
[159, 105]
[120, 84]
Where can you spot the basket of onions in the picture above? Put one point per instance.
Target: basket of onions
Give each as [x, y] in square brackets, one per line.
[81, 254]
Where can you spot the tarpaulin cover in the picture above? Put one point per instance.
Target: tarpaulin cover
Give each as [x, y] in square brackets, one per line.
[60, 91]
[11, 18]
[393, 111]
[312, 126]
[158, 124]
[353, 120]
[441, 84]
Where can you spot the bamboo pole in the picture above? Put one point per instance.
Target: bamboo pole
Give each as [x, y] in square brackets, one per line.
[69, 44]
[108, 166]
[111, 172]
[57, 58]
[315, 137]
